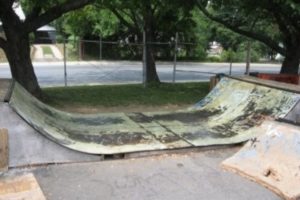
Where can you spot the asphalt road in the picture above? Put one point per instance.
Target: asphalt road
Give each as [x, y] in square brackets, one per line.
[119, 72]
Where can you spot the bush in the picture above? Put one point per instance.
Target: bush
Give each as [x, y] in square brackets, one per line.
[213, 59]
[229, 56]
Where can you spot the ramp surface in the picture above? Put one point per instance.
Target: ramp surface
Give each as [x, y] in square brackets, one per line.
[272, 159]
[27, 147]
[227, 115]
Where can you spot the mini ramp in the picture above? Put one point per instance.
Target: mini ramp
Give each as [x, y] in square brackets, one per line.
[229, 114]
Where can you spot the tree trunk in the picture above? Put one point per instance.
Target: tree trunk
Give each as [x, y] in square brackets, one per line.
[151, 73]
[18, 55]
[290, 63]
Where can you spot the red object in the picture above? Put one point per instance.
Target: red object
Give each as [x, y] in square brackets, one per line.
[286, 78]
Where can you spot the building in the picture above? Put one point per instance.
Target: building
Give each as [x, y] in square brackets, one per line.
[43, 35]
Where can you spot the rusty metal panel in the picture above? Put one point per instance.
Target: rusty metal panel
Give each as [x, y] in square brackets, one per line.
[272, 159]
[227, 115]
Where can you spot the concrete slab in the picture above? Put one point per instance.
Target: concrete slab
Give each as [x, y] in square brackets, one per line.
[192, 176]
[28, 147]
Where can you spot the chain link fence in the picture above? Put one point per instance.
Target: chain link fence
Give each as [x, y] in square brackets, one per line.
[63, 62]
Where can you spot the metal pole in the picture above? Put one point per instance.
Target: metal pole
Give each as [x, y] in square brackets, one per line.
[65, 63]
[248, 58]
[230, 67]
[144, 58]
[79, 49]
[100, 48]
[175, 57]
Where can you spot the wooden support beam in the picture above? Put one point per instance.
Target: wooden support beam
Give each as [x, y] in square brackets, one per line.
[24, 187]
[213, 82]
[3, 150]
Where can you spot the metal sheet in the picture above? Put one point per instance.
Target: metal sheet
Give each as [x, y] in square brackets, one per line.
[227, 115]
[272, 159]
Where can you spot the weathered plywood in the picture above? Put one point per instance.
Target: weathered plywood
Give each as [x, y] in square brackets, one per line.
[213, 82]
[272, 159]
[23, 187]
[3, 150]
[5, 87]
[227, 115]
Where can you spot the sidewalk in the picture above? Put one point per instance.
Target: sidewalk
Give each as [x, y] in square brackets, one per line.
[189, 176]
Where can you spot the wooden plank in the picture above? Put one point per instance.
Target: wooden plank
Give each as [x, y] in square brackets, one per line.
[213, 82]
[5, 89]
[23, 187]
[272, 159]
[3, 150]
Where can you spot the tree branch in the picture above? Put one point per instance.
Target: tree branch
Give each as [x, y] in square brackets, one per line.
[121, 18]
[34, 13]
[248, 33]
[53, 13]
[134, 18]
[6, 3]
[10, 3]
[288, 23]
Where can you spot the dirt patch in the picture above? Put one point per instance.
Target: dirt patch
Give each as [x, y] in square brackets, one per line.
[125, 109]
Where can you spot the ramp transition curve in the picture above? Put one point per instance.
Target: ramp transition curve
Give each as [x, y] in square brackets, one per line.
[229, 114]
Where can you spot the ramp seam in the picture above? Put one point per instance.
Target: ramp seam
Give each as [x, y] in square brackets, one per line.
[168, 130]
[175, 134]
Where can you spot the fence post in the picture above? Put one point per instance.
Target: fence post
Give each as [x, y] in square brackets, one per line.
[144, 59]
[248, 58]
[175, 57]
[79, 49]
[65, 63]
[100, 48]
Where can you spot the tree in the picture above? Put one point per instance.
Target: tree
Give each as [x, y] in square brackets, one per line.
[15, 43]
[156, 18]
[276, 23]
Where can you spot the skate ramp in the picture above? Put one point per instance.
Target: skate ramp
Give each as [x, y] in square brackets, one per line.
[272, 159]
[228, 115]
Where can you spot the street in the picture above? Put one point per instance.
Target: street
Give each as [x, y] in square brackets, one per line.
[121, 72]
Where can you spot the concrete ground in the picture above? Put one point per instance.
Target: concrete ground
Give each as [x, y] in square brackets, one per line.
[192, 176]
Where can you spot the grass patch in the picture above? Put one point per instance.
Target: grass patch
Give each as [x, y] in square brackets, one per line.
[126, 95]
[47, 50]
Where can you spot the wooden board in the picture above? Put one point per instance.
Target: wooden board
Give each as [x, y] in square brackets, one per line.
[3, 150]
[24, 187]
[272, 159]
[5, 89]
[213, 82]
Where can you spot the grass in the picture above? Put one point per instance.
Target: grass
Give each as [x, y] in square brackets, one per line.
[126, 95]
[47, 50]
